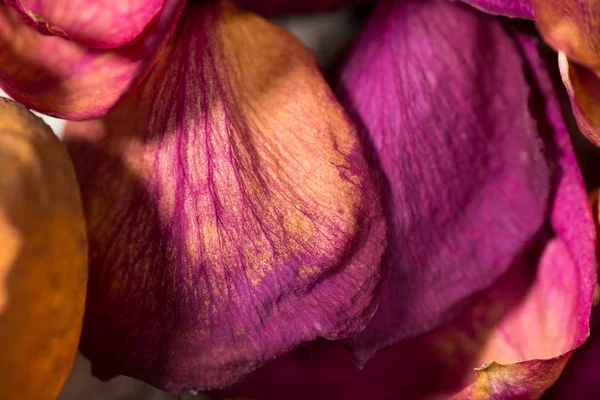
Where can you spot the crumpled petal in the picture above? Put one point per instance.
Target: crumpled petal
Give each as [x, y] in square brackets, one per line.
[571, 27]
[231, 213]
[278, 7]
[65, 79]
[519, 333]
[447, 117]
[507, 8]
[94, 23]
[43, 257]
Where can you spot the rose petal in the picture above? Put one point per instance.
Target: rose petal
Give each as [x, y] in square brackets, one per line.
[441, 363]
[468, 186]
[571, 28]
[43, 256]
[583, 88]
[64, 79]
[277, 7]
[94, 23]
[507, 8]
[561, 295]
[530, 319]
[580, 378]
[230, 212]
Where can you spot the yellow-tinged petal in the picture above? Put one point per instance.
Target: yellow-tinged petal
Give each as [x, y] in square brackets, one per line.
[43, 258]
[572, 27]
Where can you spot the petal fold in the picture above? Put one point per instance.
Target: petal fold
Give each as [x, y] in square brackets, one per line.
[64, 79]
[93, 23]
[43, 257]
[231, 213]
[444, 123]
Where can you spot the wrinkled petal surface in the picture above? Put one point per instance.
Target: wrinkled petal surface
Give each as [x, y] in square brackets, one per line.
[231, 213]
[65, 79]
[507, 8]
[93, 23]
[43, 257]
[519, 333]
[572, 27]
[278, 7]
[448, 120]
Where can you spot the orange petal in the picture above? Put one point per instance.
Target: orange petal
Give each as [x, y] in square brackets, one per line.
[572, 27]
[43, 261]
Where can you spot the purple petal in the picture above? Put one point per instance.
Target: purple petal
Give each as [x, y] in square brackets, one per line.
[67, 80]
[507, 8]
[231, 214]
[522, 329]
[93, 23]
[447, 116]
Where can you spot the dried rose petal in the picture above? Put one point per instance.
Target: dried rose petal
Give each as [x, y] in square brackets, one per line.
[230, 211]
[65, 79]
[579, 380]
[571, 27]
[448, 119]
[43, 257]
[94, 23]
[529, 320]
[507, 8]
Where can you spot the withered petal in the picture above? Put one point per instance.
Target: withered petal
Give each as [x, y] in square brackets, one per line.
[93, 23]
[231, 213]
[62, 78]
[43, 257]
[572, 28]
[519, 333]
[468, 187]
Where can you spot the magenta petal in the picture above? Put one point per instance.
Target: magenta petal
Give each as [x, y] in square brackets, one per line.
[507, 8]
[519, 333]
[94, 23]
[65, 79]
[447, 115]
[231, 213]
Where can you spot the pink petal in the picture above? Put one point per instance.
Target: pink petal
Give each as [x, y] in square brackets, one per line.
[67, 80]
[450, 126]
[94, 23]
[519, 333]
[231, 214]
[507, 8]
